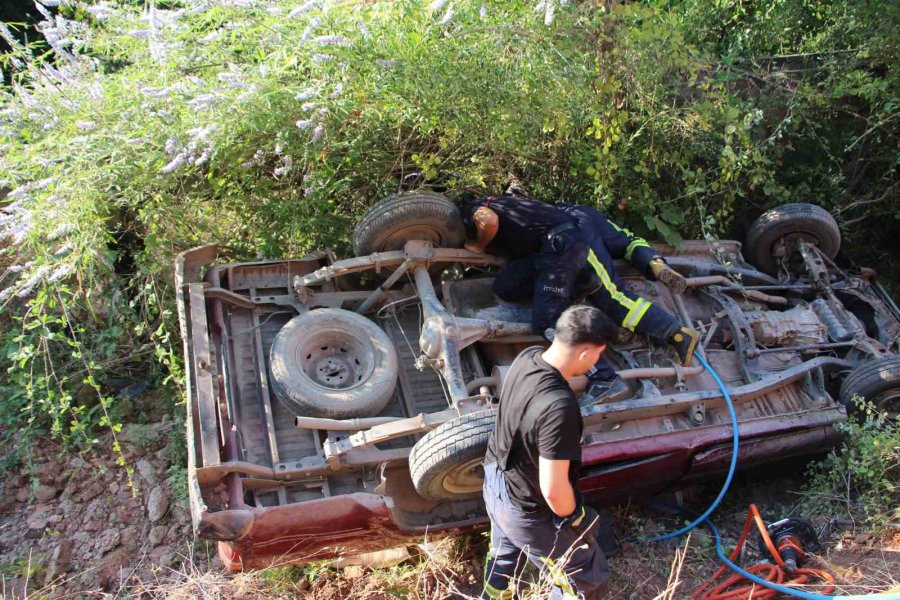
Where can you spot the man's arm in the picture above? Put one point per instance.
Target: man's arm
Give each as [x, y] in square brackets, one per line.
[555, 485]
[486, 225]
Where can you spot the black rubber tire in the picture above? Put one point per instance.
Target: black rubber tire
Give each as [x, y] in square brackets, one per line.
[421, 215]
[813, 221]
[443, 451]
[878, 381]
[332, 339]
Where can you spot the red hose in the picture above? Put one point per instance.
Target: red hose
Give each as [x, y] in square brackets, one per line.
[773, 573]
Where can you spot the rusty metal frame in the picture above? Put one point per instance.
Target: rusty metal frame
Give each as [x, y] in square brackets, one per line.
[443, 335]
[358, 457]
[687, 402]
[378, 260]
[190, 313]
[335, 450]
[351, 446]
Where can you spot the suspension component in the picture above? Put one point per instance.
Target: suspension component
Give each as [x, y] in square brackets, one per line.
[836, 330]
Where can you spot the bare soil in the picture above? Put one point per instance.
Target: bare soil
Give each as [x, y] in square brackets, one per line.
[83, 526]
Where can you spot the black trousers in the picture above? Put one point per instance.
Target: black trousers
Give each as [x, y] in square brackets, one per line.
[551, 276]
[575, 565]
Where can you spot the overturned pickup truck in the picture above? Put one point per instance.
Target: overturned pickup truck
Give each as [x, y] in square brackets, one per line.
[337, 407]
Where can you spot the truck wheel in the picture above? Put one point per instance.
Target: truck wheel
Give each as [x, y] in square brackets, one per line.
[878, 381]
[333, 363]
[768, 235]
[446, 463]
[422, 215]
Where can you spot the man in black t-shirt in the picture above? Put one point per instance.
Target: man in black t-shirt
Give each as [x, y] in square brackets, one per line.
[532, 462]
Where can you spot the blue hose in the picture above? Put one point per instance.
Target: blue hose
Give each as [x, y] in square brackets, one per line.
[784, 589]
[734, 459]
[703, 519]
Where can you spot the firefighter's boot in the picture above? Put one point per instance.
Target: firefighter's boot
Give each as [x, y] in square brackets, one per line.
[684, 341]
[671, 278]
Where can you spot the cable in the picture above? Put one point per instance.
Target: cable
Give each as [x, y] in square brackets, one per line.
[734, 455]
[786, 590]
[703, 519]
[774, 573]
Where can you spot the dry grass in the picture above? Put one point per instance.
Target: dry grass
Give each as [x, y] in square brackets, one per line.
[440, 571]
[675, 572]
[451, 568]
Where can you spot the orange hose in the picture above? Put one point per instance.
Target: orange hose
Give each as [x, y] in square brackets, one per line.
[725, 590]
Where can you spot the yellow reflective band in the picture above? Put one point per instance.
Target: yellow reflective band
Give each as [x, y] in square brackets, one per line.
[559, 578]
[608, 283]
[634, 315]
[621, 229]
[636, 243]
[494, 593]
[491, 591]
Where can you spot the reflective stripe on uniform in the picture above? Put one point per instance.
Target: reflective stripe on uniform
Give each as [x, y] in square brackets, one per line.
[634, 315]
[607, 282]
[636, 308]
[489, 590]
[496, 594]
[636, 242]
[559, 578]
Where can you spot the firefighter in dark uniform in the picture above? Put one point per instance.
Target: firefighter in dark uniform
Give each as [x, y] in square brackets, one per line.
[531, 467]
[562, 252]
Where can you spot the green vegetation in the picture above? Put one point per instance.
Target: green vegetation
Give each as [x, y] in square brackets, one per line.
[861, 479]
[268, 126]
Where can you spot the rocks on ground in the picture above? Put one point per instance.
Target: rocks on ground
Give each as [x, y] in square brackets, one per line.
[76, 523]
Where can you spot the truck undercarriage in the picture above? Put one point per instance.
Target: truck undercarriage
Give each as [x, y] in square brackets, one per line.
[276, 485]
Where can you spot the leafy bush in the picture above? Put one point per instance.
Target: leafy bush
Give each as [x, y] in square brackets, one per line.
[268, 126]
[824, 76]
[861, 478]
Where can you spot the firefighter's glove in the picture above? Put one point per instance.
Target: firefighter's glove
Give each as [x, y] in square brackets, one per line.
[685, 342]
[671, 278]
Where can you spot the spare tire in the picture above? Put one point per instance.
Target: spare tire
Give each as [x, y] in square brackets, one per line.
[446, 463]
[333, 363]
[422, 215]
[791, 221]
[877, 381]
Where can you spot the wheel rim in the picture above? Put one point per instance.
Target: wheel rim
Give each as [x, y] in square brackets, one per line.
[397, 240]
[465, 478]
[336, 360]
[888, 402]
[788, 243]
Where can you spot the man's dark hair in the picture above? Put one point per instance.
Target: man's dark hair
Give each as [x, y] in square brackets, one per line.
[582, 324]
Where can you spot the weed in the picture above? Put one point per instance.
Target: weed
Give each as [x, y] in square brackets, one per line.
[149, 128]
[861, 478]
